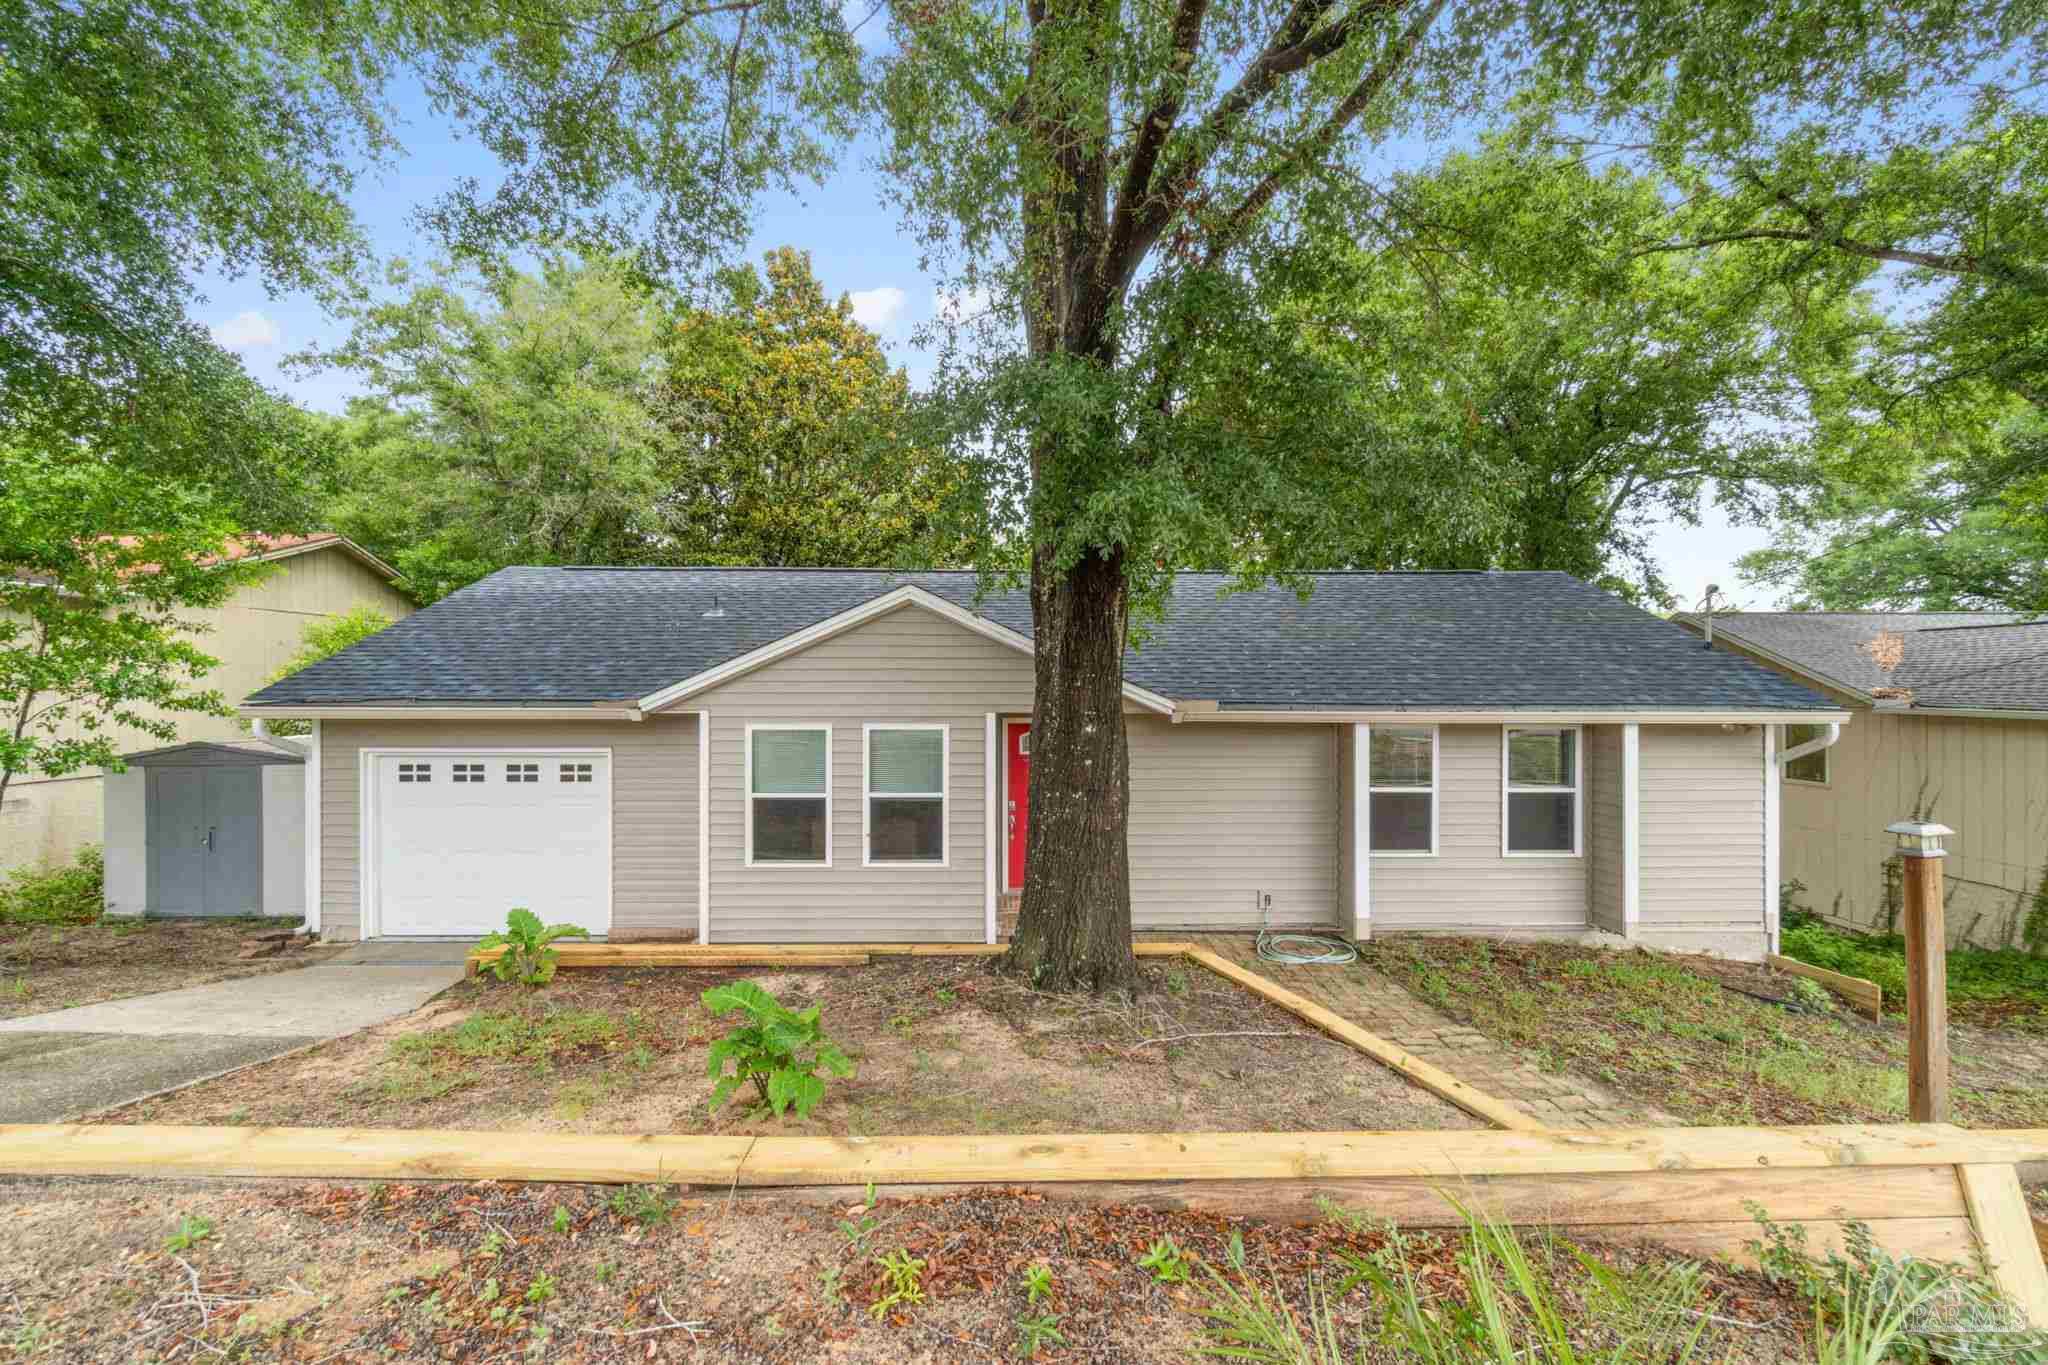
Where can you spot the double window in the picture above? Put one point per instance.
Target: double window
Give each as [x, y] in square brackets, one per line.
[1813, 767]
[1540, 796]
[904, 786]
[1402, 796]
[789, 795]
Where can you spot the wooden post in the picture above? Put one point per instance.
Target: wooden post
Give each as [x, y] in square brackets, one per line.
[1920, 853]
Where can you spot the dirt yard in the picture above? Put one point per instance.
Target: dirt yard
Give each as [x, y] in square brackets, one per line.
[1707, 1040]
[941, 1046]
[47, 967]
[131, 1270]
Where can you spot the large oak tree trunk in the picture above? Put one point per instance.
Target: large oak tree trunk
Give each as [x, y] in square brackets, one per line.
[1074, 929]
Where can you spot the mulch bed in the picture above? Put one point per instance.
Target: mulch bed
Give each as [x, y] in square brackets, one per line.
[486, 1272]
[47, 967]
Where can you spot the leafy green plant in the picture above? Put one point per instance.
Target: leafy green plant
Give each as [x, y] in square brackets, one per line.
[901, 1272]
[541, 1289]
[527, 958]
[192, 1230]
[647, 1205]
[1810, 995]
[1032, 1333]
[1037, 1282]
[780, 1050]
[1166, 1262]
[72, 894]
[561, 1220]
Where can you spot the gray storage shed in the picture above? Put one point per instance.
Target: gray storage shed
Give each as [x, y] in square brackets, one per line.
[207, 829]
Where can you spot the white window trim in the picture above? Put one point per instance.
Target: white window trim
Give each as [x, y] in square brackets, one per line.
[747, 791]
[1435, 802]
[1577, 789]
[944, 795]
[1827, 764]
[369, 914]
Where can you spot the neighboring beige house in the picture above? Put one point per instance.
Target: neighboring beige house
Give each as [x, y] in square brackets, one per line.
[844, 755]
[49, 820]
[1952, 726]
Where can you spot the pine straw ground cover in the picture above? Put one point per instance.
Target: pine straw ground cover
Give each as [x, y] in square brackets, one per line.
[1690, 1036]
[249, 1271]
[941, 1044]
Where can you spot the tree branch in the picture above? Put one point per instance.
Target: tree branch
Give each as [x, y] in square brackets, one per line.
[1952, 263]
[1154, 128]
[1368, 89]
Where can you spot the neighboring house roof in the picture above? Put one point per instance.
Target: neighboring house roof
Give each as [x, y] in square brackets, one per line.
[1415, 641]
[1905, 660]
[264, 549]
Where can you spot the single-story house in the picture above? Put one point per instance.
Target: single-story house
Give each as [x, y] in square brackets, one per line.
[1952, 726]
[789, 755]
[46, 820]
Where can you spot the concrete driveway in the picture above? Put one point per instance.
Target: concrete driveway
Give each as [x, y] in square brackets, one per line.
[72, 1062]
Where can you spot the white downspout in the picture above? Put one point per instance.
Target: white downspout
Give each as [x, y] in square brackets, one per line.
[1813, 746]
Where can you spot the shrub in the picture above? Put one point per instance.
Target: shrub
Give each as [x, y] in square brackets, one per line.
[527, 958]
[73, 894]
[779, 1049]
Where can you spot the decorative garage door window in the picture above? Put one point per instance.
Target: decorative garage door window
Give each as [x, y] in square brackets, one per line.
[522, 772]
[469, 772]
[415, 772]
[1541, 813]
[789, 795]
[906, 794]
[575, 772]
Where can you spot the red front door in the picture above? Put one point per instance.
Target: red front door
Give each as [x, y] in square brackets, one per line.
[1017, 746]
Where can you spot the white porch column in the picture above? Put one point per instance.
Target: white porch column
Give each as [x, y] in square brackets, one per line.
[703, 827]
[312, 839]
[1772, 774]
[992, 751]
[1631, 827]
[1361, 831]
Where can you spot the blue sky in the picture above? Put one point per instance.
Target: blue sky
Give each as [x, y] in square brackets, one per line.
[857, 248]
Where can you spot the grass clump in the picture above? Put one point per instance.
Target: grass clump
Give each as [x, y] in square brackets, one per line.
[423, 1067]
[2001, 987]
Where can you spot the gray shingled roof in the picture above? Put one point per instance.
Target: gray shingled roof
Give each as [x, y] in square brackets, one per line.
[1445, 641]
[1993, 660]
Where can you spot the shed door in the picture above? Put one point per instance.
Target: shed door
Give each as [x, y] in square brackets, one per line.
[205, 840]
[460, 839]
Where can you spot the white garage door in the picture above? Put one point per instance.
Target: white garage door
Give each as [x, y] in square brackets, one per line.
[461, 838]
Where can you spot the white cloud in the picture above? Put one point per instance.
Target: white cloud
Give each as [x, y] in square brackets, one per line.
[960, 305]
[247, 332]
[877, 308]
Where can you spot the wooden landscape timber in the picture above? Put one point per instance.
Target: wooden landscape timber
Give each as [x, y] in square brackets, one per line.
[1867, 996]
[1924, 1189]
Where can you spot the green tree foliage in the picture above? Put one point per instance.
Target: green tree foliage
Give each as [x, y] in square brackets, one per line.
[94, 633]
[511, 422]
[793, 438]
[580, 415]
[137, 141]
[1568, 392]
[322, 639]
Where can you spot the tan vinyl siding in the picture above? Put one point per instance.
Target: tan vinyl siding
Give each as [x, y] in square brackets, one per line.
[1223, 815]
[910, 666]
[1702, 834]
[654, 809]
[1469, 884]
[1986, 779]
[1604, 827]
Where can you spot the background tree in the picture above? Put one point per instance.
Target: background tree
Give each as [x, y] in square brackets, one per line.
[322, 639]
[93, 630]
[1569, 392]
[140, 140]
[792, 439]
[511, 421]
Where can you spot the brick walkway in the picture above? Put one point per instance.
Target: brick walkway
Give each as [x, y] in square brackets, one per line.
[1378, 1003]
